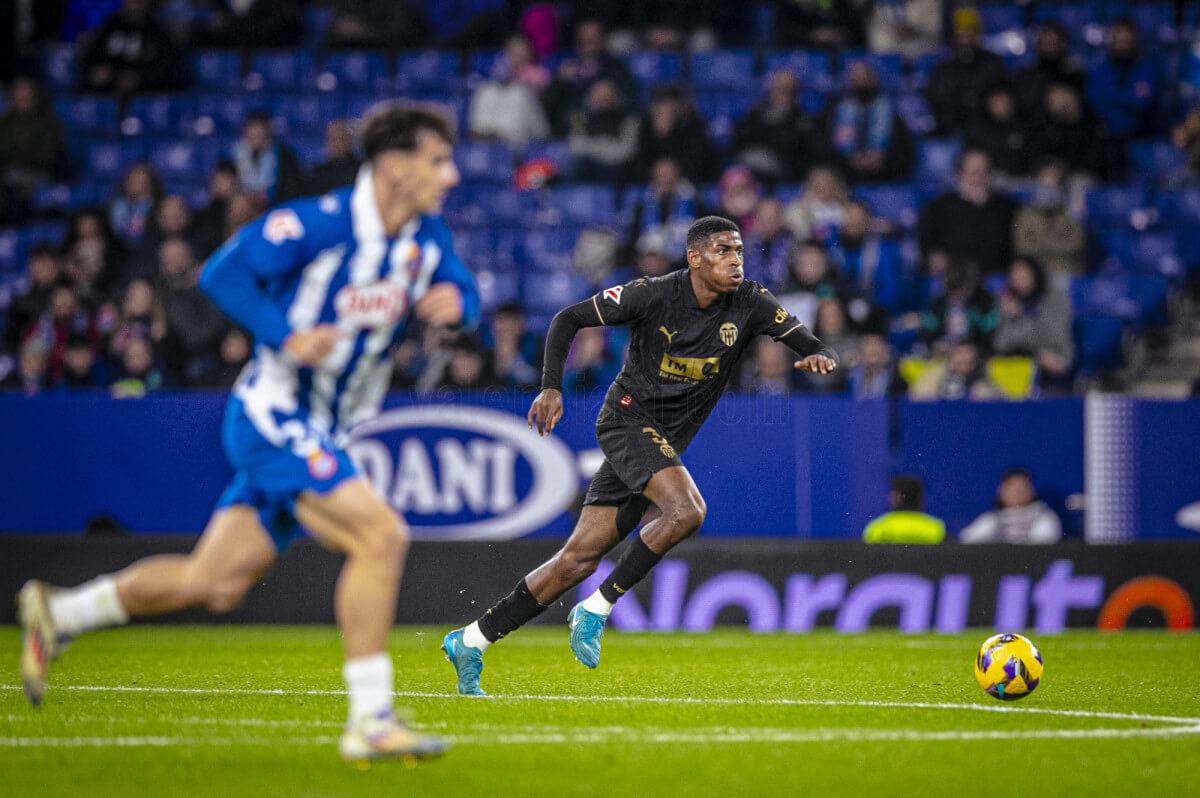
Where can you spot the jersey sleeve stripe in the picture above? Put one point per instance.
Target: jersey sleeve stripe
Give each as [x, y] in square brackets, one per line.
[784, 335]
[599, 316]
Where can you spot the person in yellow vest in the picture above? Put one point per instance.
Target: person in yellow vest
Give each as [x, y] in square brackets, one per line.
[906, 523]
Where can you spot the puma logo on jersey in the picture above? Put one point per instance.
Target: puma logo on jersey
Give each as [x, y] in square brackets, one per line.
[378, 305]
[669, 335]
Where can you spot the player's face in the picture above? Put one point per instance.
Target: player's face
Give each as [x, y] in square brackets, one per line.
[426, 174]
[720, 262]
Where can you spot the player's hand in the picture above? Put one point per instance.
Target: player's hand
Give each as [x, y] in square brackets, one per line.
[545, 411]
[442, 304]
[313, 346]
[818, 364]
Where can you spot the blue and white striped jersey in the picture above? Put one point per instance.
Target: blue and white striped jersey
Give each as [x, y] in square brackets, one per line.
[327, 260]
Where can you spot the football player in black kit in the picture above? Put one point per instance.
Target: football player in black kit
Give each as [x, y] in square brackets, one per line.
[689, 328]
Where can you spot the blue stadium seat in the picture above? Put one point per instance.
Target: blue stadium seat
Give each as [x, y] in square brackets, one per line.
[186, 161]
[557, 152]
[584, 204]
[999, 17]
[316, 24]
[217, 70]
[11, 255]
[281, 70]
[509, 207]
[510, 247]
[650, 68]
[353, 71]
[430, 69]
[1155, 20]
[1142, 251]
[481, 64]
[922, 67]
[551, 291]
[109, 159]
[733, 104]
[310, 150]
[1139, 298]
[160, 115]
[305, 114]
[496, 287]
[1075, 17]
[897, 203]
[723, 69]
[1098, 342]
[221, 114]
[1187, 245]
[70, 196]
[1115, 203]
[87, 114]
[484, 161]
[915, 112]
[60, 66]
[935, 159]
[538, 247]
[1157, 158]
[811, 66]
[889, 67]
[474, 243]
[44, 232]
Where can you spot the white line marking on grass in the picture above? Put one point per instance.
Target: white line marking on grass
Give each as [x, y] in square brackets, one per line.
[685, 700]
[157, 742]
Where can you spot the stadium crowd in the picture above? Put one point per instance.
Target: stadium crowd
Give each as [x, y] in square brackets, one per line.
[965, 200]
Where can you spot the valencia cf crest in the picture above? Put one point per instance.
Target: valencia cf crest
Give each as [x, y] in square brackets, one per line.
[728, 333]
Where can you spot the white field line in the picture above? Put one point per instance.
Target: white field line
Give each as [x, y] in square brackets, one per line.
[630, 736]
[685, 700]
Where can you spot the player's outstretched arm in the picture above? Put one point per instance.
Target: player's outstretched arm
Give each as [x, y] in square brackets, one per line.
[776, 322]
[545, 411]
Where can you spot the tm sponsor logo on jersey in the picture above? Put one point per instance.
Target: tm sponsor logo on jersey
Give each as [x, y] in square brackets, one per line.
[688, 369]
[378, 305]
[465, 472]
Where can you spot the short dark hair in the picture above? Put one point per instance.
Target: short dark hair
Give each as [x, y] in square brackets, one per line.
[706, 226]
[910, 492]
[396, 128]
[42, 251]
[258, 117]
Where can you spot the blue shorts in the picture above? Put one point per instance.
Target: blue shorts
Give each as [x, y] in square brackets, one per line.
[272, 474]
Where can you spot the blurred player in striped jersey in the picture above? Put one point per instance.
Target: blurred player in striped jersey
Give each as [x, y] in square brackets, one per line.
[326, 286]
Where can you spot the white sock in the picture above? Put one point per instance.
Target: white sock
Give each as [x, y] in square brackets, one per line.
[473, 637]
[598, 604]
[369, 682]
[92, 605]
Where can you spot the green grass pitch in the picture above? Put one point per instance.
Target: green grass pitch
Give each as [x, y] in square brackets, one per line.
[231, 711]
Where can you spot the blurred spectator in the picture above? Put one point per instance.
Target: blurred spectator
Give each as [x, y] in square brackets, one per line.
[873, 374]
[252, 23]
[592, 363]
[1019, 517]
[810, 279]
[172, 218]
[139, 373]
[141, 318]
[96, 260]
[907, 521]
[467, 367]
[30, 377]
[833, 328]
[772, 369]
[606, 138]
[864, 134]
[1034, 320]
[386, 24]
[1186, 136]
[870, 262]
[44, 271]
[131, 51]
[1125, 89]
[1043, 229]
[232, 355]
[820, 23]
[82, 369]
[565, 97]
[668, 206]
[63, 317]
[740, 194]
[908, 27]
[240, 209]
[769, 246]
[961, 376]
[1070, 131]
[1055, 64]
[516, 351]
[1000, 132]
[772, 139]
[971, 223]
[672, 127]
[131, 211]
[209, 221]
[956, 86]
[817, 214]
[265, 166]
[962, 311]
[341, 161]
[654, 257]
[32, 142]
[506, 107]
[195, 323]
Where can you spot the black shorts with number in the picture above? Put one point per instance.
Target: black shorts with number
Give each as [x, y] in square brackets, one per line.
[634, 451]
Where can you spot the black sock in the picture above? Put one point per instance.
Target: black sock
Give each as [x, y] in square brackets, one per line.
[511, 612]
[633, 566]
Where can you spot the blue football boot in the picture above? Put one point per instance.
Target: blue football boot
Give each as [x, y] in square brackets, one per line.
[467, 662]
[586, 630]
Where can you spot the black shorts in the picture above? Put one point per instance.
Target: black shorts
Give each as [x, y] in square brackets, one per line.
[634, 450]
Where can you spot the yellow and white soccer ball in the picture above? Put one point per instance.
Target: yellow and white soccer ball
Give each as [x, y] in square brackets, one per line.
[1008, 666]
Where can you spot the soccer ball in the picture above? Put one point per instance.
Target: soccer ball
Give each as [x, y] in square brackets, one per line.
[1008, 667]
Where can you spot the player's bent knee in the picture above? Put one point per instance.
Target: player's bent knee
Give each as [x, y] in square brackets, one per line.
[687, 516]
[384, 537]
[573, 566]
[226, 594]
